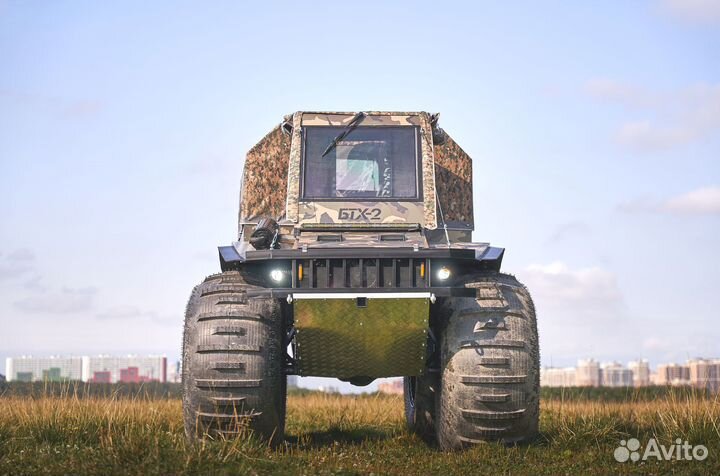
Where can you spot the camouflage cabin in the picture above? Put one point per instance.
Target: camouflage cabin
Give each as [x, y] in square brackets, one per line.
[396, 171]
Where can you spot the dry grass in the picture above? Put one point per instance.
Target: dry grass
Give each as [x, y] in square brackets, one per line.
[332, 434]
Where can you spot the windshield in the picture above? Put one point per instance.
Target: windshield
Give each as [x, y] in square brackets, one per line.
[369, 162]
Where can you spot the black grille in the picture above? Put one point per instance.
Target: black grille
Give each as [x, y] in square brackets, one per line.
[360, 273]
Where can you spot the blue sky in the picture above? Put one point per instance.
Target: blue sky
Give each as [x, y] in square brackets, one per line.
[594, 128]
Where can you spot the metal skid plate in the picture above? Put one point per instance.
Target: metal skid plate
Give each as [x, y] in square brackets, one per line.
[373, 336]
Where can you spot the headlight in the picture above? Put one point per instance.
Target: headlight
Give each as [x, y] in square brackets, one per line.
[276, 275]
[443, 273]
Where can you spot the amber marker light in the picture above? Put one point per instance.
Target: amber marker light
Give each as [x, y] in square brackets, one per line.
[300, 271]
[422, 270]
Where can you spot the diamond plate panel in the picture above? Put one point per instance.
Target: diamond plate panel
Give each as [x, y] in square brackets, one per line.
[338, 338]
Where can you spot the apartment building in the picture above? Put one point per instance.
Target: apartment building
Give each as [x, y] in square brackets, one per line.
[557, 377]
[641, 372]
[613, 374]
[673, 374]
[705, 373]
[126, 369]
[54, 369]
[587, 373]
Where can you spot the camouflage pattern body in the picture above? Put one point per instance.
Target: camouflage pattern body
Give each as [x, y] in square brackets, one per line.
[372, 118]
[293, 184]
[428, 173]
[453, 178]
[265, 178]
[361, 212]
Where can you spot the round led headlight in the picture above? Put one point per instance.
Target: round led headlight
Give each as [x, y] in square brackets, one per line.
[276, 275]
[443, 273]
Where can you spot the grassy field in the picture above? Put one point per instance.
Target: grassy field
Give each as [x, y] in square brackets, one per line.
[333, 434]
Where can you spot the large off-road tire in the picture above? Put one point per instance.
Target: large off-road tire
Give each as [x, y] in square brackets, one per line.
[233, 379]
[419, 393]
[490, 365]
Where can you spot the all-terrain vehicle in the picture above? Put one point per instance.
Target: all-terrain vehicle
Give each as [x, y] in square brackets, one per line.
[354, 260]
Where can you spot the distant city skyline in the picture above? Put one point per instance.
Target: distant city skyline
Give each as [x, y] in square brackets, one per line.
[698, 372]
[93, 369]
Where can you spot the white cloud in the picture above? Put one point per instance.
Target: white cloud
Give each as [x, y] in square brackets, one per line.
[653, 343]
[67, 301]
[640, 205]
[35, 284]
[697, 11]
[125, 312]
[60, 107]
[582, 291]
[16, 264]
[645, 136]
[564, 231]
[626, 94]
[703, 201]
[668, 118]
[81, 109]
[677, 347]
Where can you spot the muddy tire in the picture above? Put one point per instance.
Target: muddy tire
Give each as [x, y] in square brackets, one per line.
[419, 394]
[233, 379]
[490, 359]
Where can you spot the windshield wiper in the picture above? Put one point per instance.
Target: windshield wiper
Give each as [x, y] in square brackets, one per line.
[354, 122]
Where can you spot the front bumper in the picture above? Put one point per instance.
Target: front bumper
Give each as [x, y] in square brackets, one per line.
[360, 270]
[237, 253]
